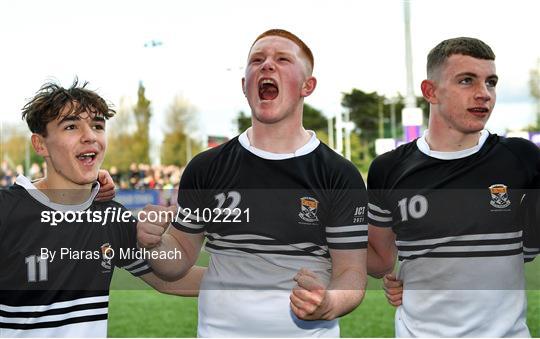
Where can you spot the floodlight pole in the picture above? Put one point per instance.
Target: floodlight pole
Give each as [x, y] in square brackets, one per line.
[410, 100]
[411, 115]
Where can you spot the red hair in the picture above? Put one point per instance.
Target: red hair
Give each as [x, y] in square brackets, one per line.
[288, 35]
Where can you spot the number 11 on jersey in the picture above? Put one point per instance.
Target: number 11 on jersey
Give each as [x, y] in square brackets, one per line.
[36, 264]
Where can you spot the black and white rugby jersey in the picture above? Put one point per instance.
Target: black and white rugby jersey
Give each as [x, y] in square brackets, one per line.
[457, 219]
[66, 295]
[290, 210]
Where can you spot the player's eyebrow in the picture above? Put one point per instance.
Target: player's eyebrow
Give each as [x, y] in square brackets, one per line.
[474, 75]
[255, 55]
[469, 74]
[69, 118]
[285, 53]
[96, 117]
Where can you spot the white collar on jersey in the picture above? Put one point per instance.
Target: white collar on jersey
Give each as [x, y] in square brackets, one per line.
[424, 148]
[309, 147]
[42, 198]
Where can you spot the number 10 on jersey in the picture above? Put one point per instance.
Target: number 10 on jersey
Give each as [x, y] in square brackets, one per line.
[415, 207]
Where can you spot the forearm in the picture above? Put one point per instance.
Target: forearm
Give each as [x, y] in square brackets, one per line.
[345, 292]
[187, 286]
[170, 268]
[379, 265]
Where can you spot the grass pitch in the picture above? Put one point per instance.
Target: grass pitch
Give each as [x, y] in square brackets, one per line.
[138, 311]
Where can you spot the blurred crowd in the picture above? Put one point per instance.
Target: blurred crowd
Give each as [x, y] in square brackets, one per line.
[139, 176]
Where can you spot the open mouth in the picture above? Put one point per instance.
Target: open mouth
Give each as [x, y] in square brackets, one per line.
[478, 110]
[268, 89]
[87, 158]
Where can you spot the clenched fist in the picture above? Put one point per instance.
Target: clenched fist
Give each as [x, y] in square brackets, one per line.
[106, 189]
[309, 298]
[153, 222]
[393, 289]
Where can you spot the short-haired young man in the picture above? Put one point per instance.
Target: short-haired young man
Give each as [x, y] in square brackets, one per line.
[449, 205]
[300, 211]
[55, 275]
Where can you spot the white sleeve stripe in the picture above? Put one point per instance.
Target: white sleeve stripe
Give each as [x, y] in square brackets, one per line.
[189, 225]
[145, 267]
[462, 249]
[57, 317]
[181, 211]
[378, 209]
[531, 249]
[133, 264]
[341, 229]
[62, 304]
[467, 237]
[259, 247]
[380, 219]
[346, 240]
[239, 237]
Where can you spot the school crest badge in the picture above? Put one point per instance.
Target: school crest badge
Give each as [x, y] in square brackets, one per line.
[308, 209]
[499, 196]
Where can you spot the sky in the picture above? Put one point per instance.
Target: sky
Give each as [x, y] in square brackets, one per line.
[356, 43]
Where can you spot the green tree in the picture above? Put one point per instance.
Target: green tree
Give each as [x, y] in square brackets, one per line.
[243, 121]
[314, 119]
[177, 144]
[366, 110]
[15, 141]
[142, 113]
[121, 133]
[120, 152]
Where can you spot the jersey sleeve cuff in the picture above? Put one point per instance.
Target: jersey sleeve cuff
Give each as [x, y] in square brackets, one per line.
[378, 216]
[138, 268]
[188, 227]
[347, 237]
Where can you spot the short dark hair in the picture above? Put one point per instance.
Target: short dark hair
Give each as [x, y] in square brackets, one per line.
[288, 35]
[52, 101]
[465, 46]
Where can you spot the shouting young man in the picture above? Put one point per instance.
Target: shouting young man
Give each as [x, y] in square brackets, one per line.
[287, 233]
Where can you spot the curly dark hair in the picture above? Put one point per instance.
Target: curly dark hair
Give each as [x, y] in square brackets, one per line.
[53, 102]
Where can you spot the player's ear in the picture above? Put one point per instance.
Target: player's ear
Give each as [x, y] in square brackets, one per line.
[38, 142]
[308, 86]
[429, 91]
[244, 86]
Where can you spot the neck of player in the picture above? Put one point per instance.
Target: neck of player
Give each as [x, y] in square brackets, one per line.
[451, 140]
[279, 137]
[443, 138]
[62, 191]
